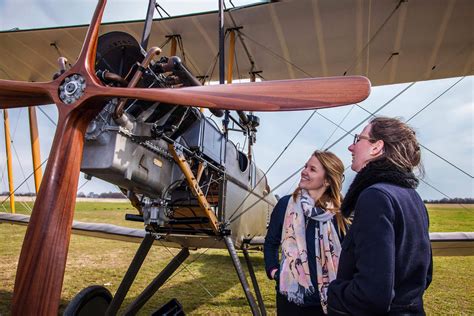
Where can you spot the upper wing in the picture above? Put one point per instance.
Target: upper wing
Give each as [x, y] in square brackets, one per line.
[386, 41]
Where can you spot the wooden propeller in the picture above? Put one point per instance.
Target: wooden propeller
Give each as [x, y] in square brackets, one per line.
[79, 96]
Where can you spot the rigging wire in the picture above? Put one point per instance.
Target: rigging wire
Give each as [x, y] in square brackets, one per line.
[275, 54]
[327, 139]
[158, 7]
[186, 267]
[337, 126]
[437, 190]
[21, 166]
[44, 161]
[365, 119]
[239, 35]
[422, 109]
[439, 96]
[354, 63]
[47, 116]
[82, 185]
[273, 164]
[231, 219]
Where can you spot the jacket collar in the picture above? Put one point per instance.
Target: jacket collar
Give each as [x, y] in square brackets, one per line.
[377, 171]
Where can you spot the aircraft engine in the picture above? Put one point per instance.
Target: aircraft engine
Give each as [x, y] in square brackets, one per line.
[127, 144]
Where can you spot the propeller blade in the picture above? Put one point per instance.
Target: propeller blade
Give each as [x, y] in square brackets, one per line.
[43, 256]
[86, 59]
[282, 95]
[18, 94]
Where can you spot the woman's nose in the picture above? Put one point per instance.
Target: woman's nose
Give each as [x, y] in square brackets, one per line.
[351, 148]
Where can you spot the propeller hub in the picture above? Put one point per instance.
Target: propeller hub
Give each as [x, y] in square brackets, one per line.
[72, 88]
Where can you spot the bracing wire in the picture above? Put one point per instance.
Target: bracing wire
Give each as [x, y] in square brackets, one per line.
[422, 109]
[231, 219]
[372, 114]
[337, 141]
[186, 267]
[442, 193]
[47, 116]
[374, 36]
[327, 139]
[273, 163]
[82, 185]
[19, 186]
[432, 101]
[275, 54]
[338, 126]
[21, 166]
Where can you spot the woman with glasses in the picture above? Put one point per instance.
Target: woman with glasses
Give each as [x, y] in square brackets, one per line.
[307, 225]
[386, 263]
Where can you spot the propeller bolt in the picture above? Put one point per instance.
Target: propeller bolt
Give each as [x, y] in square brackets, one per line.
[72, 88]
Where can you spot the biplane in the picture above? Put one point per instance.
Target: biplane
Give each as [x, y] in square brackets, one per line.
[133, 116]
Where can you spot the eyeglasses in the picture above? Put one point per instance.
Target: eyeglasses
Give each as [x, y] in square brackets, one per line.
[358, 137]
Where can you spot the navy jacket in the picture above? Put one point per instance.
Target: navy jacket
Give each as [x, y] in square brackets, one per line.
[386, 261]
[273, 242]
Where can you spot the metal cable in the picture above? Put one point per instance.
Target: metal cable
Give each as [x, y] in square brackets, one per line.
[418, 112]
[374, 36]
[365, 119]
[23, 182]
[21, 166]
[186, 267]
[431, 102]
[337, 126]
[337, 141]
[274, 162]
[439, 191]
[276, 55]
[82, 185]
[46, 114]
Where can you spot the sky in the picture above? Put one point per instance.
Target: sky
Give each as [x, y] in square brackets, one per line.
[445, 127]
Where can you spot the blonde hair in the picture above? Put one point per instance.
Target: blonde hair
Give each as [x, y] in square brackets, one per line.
[334, 174]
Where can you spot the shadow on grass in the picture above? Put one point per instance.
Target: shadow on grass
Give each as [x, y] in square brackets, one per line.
[212, 286]
[217, 286]
[6, 298]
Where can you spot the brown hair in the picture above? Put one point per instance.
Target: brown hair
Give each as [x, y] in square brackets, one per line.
[400, 144]
[334, 174]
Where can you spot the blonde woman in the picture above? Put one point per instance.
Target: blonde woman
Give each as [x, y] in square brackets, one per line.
[308, 226]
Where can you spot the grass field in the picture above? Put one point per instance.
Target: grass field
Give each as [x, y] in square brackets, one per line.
[208, 283]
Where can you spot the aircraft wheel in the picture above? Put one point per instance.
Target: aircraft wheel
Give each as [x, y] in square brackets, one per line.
[92, 300]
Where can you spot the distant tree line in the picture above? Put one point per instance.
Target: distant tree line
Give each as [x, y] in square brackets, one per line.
[103, 195]
[119, 195]
[6, 193]
[451, 201]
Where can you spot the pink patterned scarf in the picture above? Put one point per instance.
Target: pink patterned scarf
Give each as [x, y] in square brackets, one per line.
[295, 280]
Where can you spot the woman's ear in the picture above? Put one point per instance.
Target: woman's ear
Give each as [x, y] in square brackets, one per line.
[377, 148]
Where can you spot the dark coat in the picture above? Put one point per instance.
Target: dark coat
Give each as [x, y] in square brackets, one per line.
[273, 242]
[386, 263]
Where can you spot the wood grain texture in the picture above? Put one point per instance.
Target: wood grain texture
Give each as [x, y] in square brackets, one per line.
[280, 95]
[19, 94]
[43, 256]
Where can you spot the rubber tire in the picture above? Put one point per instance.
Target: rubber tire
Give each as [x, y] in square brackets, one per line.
[91, 301]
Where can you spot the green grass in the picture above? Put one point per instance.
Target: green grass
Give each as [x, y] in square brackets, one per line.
[451, 218]
[209, 285]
